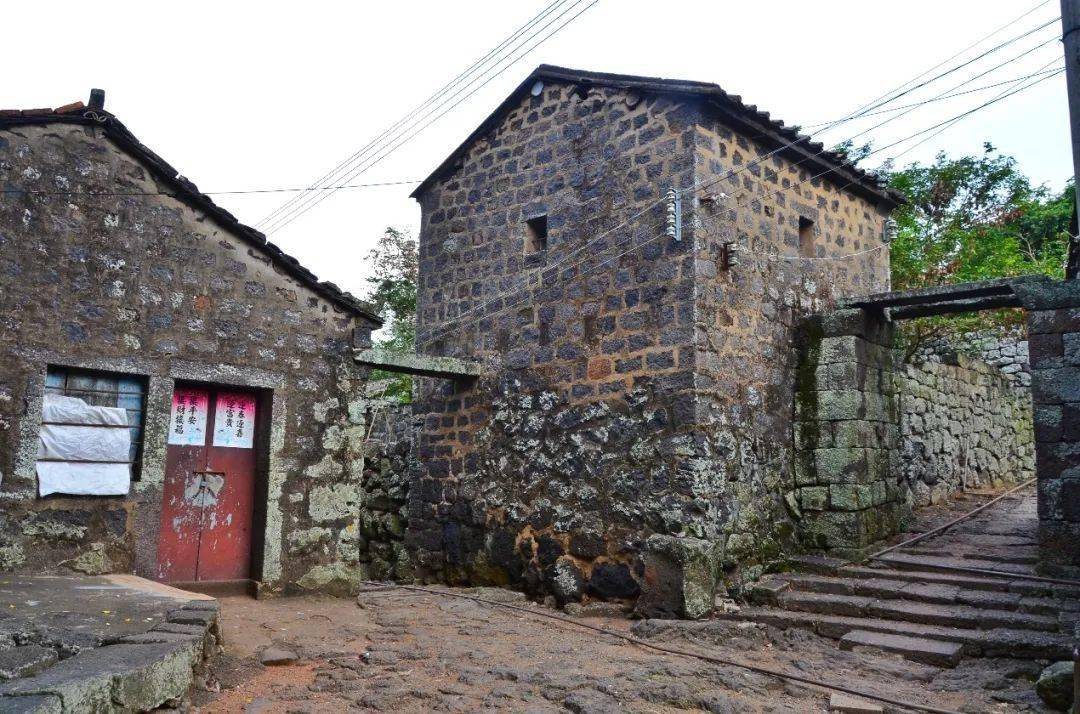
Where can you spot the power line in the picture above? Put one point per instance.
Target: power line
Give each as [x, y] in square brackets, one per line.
[944, 126]
[939, 98]
[306, 205]
[445, 88]
[946, 73]
[944, 62]
[968, 113]
[207, 193]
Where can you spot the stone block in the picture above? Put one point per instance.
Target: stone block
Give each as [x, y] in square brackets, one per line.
[122, 677]
[841, 405]
[1045, 350]
[1071, 348]
[850, 497]
[1056, 385]
[855, 434]
[835, 466]
[680, 577]
[1055, 685]
[813, 434]
[841, 349]
[1059, 459]
[1048, 422]
[25, 661]
[1058, 553]
[814, 498]
[834, 530]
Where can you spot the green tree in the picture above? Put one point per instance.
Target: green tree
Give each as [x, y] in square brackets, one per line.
[394, 271]
[973, 218]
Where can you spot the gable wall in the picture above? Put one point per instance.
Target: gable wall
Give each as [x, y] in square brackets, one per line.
[146, 285]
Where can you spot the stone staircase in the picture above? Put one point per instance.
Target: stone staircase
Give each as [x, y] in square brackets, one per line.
[929, 615]
[924, 603]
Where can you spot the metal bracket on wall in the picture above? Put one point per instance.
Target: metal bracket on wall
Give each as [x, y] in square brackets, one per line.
[674, 215]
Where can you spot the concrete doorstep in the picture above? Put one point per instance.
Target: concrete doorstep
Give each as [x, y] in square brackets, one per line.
[136, 671]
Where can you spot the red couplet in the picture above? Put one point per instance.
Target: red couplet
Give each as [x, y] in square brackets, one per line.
[209, 491]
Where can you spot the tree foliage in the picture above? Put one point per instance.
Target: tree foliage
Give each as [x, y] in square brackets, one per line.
[973, 218]
[393, 280]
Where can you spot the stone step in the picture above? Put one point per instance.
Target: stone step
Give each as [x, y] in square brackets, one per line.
[1014, 556]
[825, 603]
[961, 616]
[1019, 644]
[907, 561]
[817, 564]
[972, 582]
[917, 649]
[874, 584]
[927, 613]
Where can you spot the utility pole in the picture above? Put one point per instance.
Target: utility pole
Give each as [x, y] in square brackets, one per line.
[1070, 38]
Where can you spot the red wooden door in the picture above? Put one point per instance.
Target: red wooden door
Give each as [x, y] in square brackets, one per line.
[209, 493]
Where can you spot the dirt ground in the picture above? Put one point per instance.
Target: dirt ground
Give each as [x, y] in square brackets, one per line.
[393, 650]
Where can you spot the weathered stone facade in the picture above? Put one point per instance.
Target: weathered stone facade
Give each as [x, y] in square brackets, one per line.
[110, 262]
[635, 387]
[964, 424]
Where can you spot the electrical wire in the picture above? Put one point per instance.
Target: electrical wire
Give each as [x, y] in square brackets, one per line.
[329, 176]
[35, 192]
[305, 206]
[867, 107]
[940, 98]
[967, 63]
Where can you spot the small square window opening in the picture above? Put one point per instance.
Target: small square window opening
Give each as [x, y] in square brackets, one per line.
[536, 234]
[806, 237]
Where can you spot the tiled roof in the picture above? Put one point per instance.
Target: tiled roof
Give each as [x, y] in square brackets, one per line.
[184, 190]
[771, 133]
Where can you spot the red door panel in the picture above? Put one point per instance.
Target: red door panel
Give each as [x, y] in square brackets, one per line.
[181, 516]
[207, 515]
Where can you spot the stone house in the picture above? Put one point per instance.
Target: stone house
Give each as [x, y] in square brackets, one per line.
[641, 370]
[178, 397]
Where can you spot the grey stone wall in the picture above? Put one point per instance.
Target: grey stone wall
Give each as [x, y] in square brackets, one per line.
[632, 390]
[964, 424]
[548, 474]
[1006, 351]
[134, 280]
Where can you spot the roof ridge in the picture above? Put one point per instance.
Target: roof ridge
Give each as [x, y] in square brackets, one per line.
[790, 139]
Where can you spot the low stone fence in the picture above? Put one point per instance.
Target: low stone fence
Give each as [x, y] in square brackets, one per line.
[964, 424]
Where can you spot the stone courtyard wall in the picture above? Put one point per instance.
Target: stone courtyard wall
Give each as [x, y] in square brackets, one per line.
[964, 424]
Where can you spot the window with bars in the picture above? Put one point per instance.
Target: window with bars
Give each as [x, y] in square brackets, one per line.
[104, 389]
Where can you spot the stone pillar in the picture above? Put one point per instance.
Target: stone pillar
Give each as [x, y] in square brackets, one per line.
[845, 495]
[1054, 343]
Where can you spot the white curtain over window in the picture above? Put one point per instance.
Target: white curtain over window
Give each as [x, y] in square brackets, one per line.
[84, 450]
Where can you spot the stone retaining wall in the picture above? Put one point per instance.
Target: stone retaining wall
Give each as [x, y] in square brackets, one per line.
[964, 424]
[1007, 352]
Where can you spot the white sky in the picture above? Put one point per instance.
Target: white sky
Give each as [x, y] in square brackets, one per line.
[246, 95]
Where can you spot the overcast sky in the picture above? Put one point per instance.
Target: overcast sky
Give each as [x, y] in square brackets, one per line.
[251, 95]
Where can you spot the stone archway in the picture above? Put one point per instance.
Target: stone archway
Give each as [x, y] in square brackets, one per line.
[847, 421]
